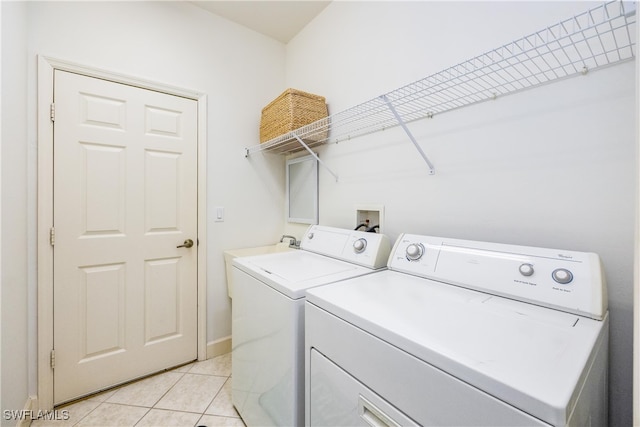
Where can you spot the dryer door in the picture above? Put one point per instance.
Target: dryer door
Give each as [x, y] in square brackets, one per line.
[338, 399]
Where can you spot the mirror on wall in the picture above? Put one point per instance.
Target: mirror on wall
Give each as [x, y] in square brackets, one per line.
[302, 190]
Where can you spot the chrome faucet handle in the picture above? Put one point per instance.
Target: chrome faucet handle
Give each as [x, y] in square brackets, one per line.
[293, 242]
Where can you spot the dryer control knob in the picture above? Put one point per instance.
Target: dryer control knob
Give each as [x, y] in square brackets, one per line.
[526, 269]
[359, 245]
[415, 251]
[562, 276]
[310, 236]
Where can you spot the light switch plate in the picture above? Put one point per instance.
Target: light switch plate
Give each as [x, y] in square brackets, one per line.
[219, 214]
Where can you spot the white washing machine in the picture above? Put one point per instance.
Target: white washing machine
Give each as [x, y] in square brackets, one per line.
[268, 317]
[461, 333]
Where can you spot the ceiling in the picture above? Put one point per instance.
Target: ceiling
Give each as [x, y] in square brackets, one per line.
[280, 20]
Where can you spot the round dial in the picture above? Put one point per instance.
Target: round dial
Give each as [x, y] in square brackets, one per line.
[360, 245]
[415, 251]
[310, 236]
[526, 269]
[562, 276]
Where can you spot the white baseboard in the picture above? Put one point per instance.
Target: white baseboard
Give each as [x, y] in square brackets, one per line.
[30, 406]
[32, 412]
[219, 347]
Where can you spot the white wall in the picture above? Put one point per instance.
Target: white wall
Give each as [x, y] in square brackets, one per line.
[551, 167]
[14, 390]
[173, 43]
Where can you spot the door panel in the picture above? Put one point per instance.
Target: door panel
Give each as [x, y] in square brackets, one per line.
[101, 290]
[125, 195]
[103, 203]
[162, 320]
[161, 210]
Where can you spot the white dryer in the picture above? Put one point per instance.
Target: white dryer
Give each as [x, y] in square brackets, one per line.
[461, 333]
[268, 317]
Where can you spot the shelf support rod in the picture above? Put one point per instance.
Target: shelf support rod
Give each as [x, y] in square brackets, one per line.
[314, 155]
[409, 134]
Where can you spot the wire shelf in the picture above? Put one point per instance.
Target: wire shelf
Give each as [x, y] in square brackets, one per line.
[599, 37]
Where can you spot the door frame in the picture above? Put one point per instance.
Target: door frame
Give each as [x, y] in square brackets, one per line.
[46, 68]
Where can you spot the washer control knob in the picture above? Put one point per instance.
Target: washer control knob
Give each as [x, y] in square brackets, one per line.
[415, 251]
[310, 236]
[562, 276]
[359, 245]
[526, 269]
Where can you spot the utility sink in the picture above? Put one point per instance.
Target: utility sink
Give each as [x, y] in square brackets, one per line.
[260, 250]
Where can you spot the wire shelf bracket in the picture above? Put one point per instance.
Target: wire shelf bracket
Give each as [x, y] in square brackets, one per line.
[597, 38]
[315, 156]
[409, 134]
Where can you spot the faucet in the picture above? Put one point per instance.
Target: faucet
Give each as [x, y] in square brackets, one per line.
[293, 243]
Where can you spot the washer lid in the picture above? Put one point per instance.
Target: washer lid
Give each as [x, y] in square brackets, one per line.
[291, 273]
[531, 357]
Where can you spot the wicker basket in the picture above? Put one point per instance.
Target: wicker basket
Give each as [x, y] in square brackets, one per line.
[290, 111]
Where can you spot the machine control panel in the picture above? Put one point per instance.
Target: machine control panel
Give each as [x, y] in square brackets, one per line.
[566, 280]
[358, 247]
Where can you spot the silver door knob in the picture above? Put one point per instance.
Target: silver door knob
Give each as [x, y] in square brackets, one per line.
[187, 244]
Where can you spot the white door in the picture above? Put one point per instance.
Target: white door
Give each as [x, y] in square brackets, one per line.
[125, 198]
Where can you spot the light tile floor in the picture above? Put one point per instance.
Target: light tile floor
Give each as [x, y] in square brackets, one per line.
[198, 394]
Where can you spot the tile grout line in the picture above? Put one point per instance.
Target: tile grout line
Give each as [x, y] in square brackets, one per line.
[204, 411]
[163, 395]
[88, 399]
[214, 397]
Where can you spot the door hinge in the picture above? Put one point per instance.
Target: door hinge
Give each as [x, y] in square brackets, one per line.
[52, 359]
[52, 236]
[53, 112]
